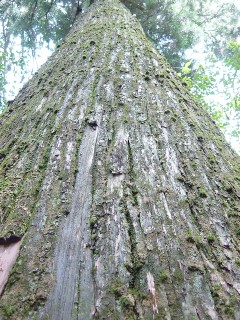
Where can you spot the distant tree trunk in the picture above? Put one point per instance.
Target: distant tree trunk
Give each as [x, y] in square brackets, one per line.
[120, 189]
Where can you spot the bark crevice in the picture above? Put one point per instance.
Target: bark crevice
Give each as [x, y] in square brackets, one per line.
[121, 187]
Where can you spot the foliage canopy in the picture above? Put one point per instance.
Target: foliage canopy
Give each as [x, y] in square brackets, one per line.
[174, 27]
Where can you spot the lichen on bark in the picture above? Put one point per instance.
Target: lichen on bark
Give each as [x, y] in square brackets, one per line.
[121, 187]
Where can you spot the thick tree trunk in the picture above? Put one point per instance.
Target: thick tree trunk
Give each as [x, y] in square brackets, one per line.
[121, 189]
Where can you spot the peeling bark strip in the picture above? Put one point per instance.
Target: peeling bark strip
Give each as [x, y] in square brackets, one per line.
[125, 191]
[8, 254]
[151, 288]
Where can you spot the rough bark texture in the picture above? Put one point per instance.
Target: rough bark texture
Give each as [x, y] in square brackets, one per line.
[122, 189]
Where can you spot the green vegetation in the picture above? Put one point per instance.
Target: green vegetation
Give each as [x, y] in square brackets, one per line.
[163, 276]
[174, 27]
[202, 193]
[8, 311]
[215, 84]
[125, 302]
[211, 238]
[134, 218]
[178, 276]
[229, 311]
[190, 237]
[237, 262]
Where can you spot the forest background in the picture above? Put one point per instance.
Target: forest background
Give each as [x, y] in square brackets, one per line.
[200, 39]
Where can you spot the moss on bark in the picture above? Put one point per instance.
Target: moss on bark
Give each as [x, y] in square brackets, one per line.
[122, 187]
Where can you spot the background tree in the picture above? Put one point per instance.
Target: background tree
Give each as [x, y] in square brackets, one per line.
[119, 187]
[217, 86]
[173, 26]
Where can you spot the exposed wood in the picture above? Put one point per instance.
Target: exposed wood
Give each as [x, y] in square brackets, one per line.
[8, 255]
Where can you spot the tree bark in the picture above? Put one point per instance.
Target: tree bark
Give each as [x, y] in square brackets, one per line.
[120, 187]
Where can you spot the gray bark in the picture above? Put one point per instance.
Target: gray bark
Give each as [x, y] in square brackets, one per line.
[121, 188]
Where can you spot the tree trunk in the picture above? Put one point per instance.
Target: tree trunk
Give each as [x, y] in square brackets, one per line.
[119, 189]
